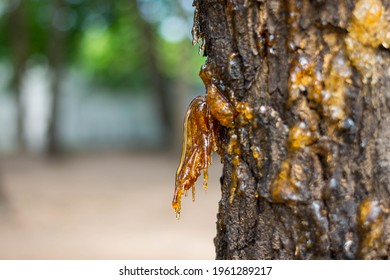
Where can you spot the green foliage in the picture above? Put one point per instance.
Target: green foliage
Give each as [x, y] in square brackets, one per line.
[180, 60]
[111, 52]
[38, 24]
[105, 40]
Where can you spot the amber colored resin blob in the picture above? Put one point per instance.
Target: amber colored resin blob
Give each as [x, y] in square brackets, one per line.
[205, 117]
[370, 218]
[220, 108]
[369, 28]
[198, 144]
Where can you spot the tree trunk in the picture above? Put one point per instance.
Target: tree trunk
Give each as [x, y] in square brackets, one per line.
[56, 56]
[158, 79]
[306, 163]
[18, 41]
[3, 197]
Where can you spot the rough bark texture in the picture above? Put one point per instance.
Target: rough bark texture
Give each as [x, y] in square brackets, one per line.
[311, 175]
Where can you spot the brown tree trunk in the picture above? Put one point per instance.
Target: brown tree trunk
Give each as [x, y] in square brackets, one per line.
[18, 41]
[3, 197]
[56, 56]
[158, 78]
[306, 173]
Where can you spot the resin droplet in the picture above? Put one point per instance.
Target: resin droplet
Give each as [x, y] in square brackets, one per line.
[220, 108]
[282, 189]
[371, 225]
[198, 144]
[300, 136]
[245, 113]
[205, 178]
[369, 28]
[234, 185]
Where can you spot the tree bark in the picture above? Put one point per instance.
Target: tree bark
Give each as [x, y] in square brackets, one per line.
[307, 177]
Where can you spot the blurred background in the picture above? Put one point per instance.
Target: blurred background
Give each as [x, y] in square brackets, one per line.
[92, 99]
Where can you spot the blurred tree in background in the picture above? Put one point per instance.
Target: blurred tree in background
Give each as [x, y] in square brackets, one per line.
[135, 46]
[18, 52]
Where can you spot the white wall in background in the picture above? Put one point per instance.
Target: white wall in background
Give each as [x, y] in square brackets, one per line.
[91, 119]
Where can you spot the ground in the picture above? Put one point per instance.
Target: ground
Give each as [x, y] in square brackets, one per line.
[107, 206]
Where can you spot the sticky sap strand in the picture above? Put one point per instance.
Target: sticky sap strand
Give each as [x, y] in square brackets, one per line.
[198, 144]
